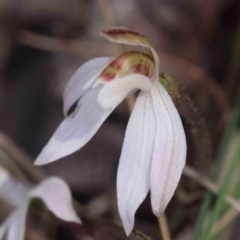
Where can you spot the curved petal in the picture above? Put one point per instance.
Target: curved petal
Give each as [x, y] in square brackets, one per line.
[3, 229]
[16, 223]
[169, 152]
[76, 130]
[126, 64]
[114, 92]
[82, 80]
[124, 35]
[133, 178]
[55, 193]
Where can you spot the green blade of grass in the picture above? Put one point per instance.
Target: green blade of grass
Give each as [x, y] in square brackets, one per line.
[231, 127]
[201, 216]
[223, 191]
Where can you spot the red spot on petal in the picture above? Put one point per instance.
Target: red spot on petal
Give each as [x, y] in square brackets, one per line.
[138, 68]
[109, 76]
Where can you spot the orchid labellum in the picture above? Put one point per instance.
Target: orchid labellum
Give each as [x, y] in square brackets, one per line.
[53, 191]
[154, 148]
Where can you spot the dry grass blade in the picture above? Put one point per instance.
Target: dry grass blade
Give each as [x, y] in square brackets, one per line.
[224, 221]
[205, 182]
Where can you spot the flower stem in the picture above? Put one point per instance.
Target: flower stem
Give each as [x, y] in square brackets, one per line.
[163, 225]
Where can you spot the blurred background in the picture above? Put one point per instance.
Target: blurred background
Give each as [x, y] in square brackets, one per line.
[42, 43]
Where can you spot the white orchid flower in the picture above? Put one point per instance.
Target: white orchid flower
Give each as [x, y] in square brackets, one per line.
[54, 192]
[154, 148]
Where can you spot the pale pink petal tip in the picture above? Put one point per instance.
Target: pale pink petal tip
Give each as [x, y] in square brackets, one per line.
[56, 194]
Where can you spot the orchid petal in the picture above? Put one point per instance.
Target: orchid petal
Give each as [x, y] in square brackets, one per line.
[55, 193]
[76, 130]
[169, 152]
[82, 80]
[133, 178]
[116, 91]
[16, 223]
[3, 229]
[14, 226]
